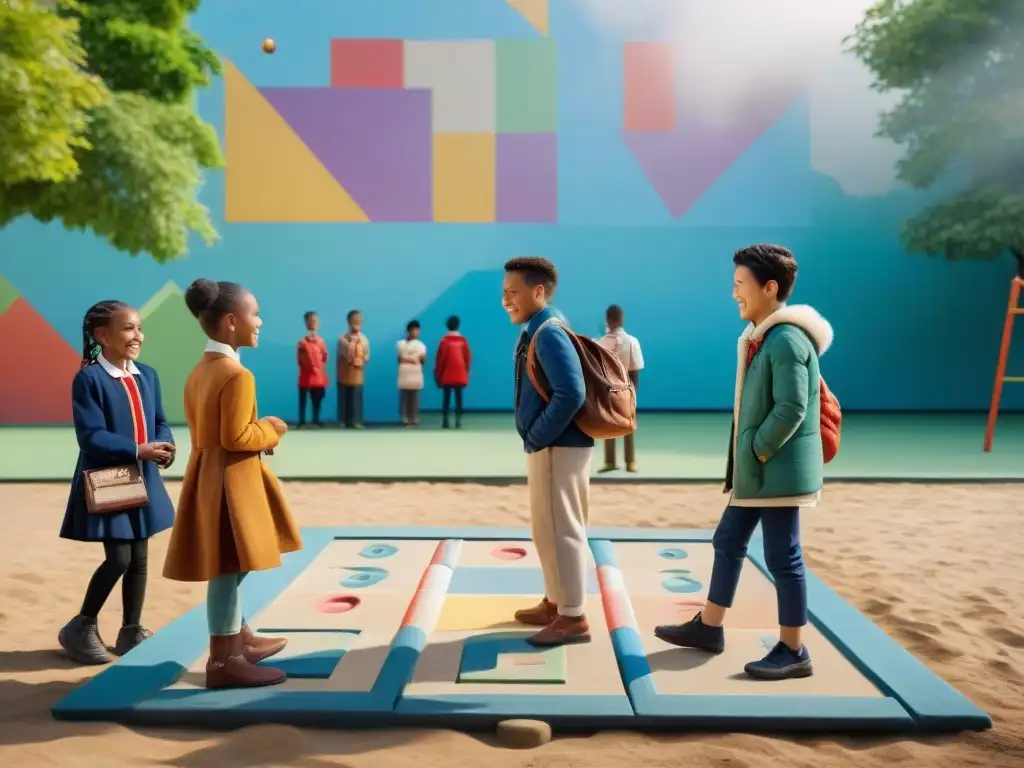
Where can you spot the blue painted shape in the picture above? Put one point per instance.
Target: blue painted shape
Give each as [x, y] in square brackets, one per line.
[565, 709]
[507, 580]
[673, 553]
[378, 551]
[679, 581]
[400, 663]
[318, 665]
[604, 553]
[480, 654]
[934, 703]
[250, 705]
[363, 577]
[159, 662]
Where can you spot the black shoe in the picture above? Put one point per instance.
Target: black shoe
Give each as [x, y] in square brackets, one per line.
[693, 634]
[781, 663]
[80, 638]
[129, 637]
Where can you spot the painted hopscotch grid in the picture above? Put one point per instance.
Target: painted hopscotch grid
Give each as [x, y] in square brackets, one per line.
[139, 688]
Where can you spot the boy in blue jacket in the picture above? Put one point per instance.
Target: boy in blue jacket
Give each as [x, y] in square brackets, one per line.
[558, 452]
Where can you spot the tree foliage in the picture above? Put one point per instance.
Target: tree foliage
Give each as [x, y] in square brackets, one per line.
[139, 172]
[960, 67]
[45, 96]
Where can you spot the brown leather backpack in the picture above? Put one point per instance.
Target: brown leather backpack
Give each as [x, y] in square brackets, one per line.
[609, 410]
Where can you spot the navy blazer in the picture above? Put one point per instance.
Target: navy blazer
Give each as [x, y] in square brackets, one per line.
[106, 438]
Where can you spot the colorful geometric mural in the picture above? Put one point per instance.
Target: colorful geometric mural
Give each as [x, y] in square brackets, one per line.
[408, 131]
[39, 390]
[681, 151]
[173, 345]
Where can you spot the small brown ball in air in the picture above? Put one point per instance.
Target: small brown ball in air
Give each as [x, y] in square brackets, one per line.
[269, 46]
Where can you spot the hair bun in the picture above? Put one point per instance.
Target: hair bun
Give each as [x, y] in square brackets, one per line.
[201, 295]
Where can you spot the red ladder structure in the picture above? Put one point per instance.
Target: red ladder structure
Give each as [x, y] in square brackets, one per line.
[1012, 310]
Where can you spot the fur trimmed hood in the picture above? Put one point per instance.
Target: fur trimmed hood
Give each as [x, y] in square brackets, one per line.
[803, 316]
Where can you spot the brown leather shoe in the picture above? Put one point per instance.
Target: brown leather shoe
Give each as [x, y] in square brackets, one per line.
[256, 648]
[540, 615]
[228, 667]
[564, 630]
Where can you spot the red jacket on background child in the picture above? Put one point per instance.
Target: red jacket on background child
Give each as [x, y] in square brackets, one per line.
[451, 364]
[312, 359]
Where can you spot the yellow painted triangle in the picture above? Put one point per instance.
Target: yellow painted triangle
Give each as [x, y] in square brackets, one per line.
[272, 176]
[534, 11]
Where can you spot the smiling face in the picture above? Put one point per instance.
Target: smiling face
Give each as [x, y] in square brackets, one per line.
[755, 301]
[520, 300]
[243, 325]
[121, 338]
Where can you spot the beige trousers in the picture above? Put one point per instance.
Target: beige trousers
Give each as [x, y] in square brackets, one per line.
[559, 483]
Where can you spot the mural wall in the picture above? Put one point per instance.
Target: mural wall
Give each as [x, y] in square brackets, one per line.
[392, 154]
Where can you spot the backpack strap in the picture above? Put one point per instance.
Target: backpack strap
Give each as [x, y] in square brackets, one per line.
[532, 365]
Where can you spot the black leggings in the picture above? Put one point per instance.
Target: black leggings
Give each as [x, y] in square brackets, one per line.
[128, 561]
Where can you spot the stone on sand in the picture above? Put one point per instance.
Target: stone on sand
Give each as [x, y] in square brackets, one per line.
[523, 734]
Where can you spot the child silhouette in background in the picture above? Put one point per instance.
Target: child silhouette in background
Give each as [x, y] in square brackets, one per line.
[311, 355]
[117, 411]
[412, 354]
[451, 370]
[353, 355]
[627, 349]
[232, 516]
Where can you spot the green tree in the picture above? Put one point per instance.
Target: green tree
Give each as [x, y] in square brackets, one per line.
[138, 180]
[45, 94]
[960, 67]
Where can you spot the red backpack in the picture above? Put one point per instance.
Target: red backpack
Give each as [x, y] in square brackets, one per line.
[609, 410]
[831, 423]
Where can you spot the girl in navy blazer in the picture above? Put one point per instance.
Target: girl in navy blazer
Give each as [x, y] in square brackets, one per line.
[119, 419]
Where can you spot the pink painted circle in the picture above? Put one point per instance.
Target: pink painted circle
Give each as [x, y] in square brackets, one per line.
[509, 553]
[337, 603]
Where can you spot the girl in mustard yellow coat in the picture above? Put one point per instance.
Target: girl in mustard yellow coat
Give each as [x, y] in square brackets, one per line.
[232, 517]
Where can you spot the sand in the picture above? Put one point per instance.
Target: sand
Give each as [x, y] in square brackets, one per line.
[935, 566]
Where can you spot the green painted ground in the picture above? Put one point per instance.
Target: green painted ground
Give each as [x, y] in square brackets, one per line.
[671, 447]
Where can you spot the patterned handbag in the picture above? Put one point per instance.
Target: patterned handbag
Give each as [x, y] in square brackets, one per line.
[114, 489]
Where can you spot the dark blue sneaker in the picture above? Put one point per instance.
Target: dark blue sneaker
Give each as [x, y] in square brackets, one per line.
[693, 634]
[781, 663]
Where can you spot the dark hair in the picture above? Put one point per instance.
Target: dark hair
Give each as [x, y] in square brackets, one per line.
[535, 270]
[412, 324]
[453, 323]
[769, 262]
[97, 316]
[352, 313]
[614, 314]
[308, 315]
[209, 301]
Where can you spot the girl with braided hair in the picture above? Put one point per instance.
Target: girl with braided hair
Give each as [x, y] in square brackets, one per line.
[119, 419]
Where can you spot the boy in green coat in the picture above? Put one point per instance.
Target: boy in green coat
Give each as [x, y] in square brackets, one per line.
[775, 464]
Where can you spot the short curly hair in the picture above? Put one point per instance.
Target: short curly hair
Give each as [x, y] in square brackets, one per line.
[535, 271]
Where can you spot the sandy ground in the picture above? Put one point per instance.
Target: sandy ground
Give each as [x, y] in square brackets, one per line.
[935, 566]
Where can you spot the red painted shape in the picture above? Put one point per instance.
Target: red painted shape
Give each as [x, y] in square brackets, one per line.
[367, 63]
[37, 388]
[648, 102]
[338, 604]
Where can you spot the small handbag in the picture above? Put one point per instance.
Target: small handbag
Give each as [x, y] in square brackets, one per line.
[114, 489]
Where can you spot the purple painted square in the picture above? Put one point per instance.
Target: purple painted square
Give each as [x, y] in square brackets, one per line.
[527, 177]
[375, 141]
